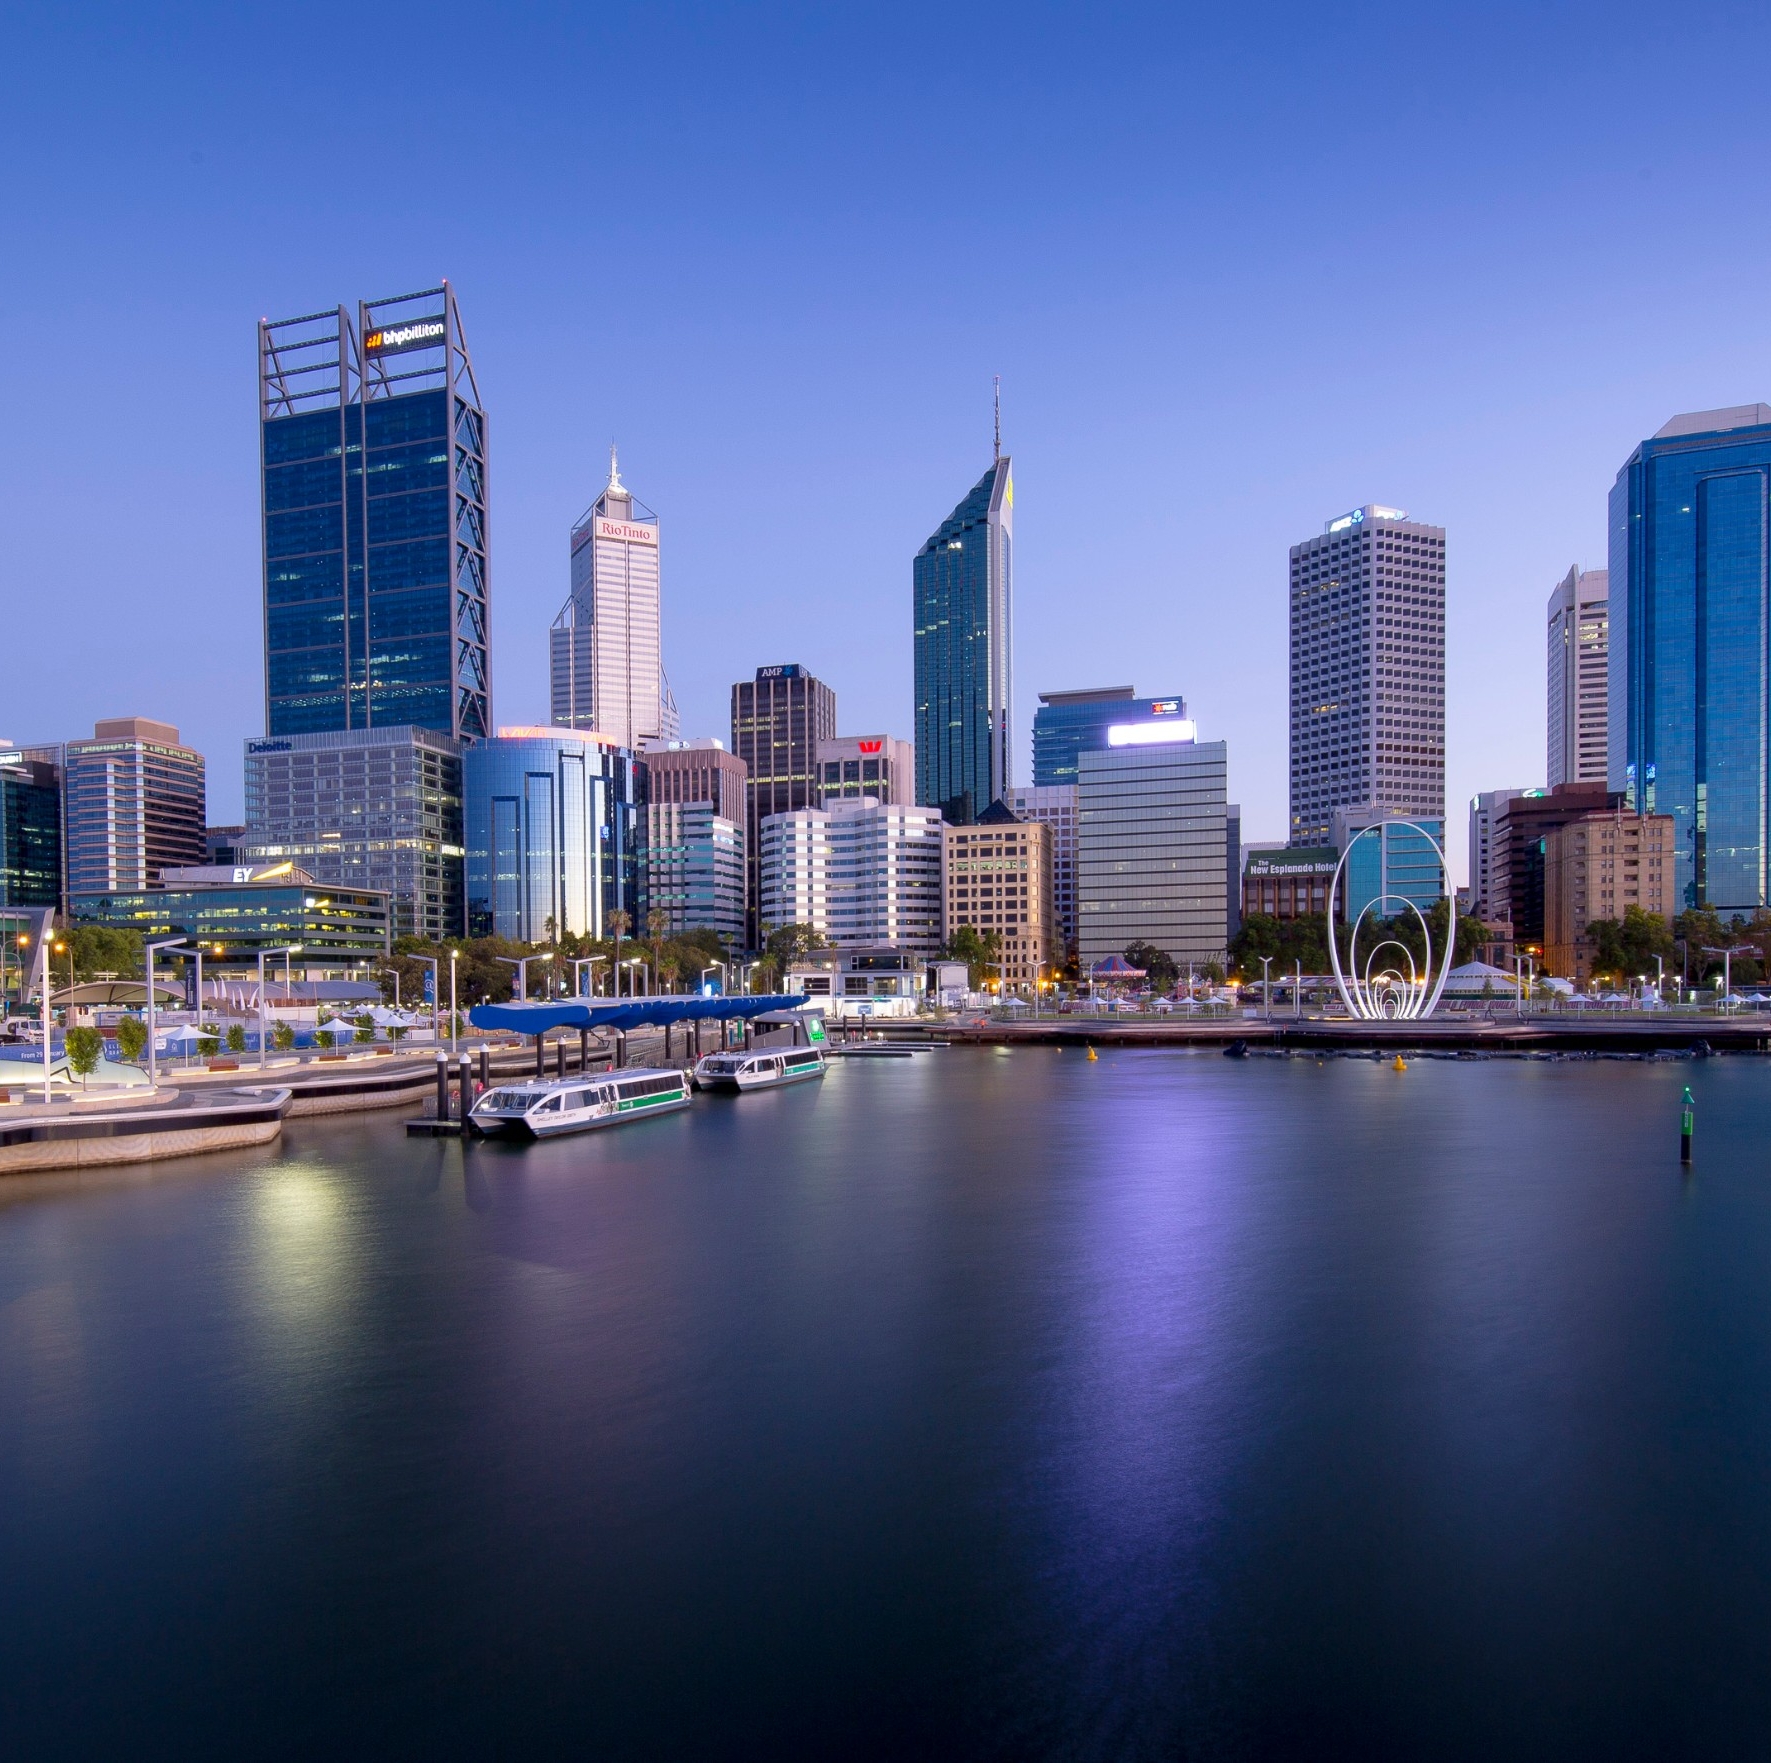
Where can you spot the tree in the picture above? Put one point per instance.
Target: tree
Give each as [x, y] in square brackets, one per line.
[98, 948]
[282, 1036]
[1289, 941]
[619, 925]
[1158, 965]
[132, 1038]
[657, 927]
[1625, 947]
[236, 1038]
[979, 950]
[365, 1029]
[84, 1046]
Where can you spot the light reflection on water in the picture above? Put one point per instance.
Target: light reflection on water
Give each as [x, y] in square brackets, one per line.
[978, 1405]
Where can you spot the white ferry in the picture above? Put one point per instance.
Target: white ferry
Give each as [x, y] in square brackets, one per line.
[757, 1071]
[544, 1108]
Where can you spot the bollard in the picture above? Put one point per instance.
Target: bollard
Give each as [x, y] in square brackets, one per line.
[1687, 1116]
[620, 1048]
[559, 1058]
[584, 1049]
[485, 1068]
[540, 1058]
[466, 1088]
[442, 1084]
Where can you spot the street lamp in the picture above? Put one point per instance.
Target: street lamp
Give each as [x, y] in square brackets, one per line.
[579, 964]
[396, 973]
[521, 964]
[293, 949]
[1267, 986]
[454, 1020]
[634, 961]
[707, 970]
[1728, 966]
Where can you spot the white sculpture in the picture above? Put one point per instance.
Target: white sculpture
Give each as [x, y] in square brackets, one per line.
[1389, 994]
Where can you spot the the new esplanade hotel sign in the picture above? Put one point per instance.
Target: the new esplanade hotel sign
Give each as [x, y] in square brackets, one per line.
[421, 333]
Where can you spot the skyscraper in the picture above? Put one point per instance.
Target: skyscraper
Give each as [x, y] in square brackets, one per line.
[373, 455]
[1578, 654]
[964, 606]
[1690, 714]
[778, 719]
[1069, 723]
[605, 650]
[1367, 670]
[133, 804]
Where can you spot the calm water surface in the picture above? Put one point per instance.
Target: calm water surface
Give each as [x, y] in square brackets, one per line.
[988, 1405]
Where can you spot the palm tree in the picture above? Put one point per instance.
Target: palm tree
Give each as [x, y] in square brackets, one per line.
[657, 924]
[619, 924]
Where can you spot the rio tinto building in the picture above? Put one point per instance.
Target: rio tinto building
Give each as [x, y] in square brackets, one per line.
[606, 664]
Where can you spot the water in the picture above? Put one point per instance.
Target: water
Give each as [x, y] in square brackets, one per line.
[988, 1405]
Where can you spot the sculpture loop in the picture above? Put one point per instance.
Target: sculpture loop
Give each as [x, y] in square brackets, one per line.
[1389, 995]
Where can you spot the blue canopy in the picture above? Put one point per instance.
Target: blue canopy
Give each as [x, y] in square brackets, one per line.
[596, 1014]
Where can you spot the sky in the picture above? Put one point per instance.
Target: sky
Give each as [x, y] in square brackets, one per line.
[1239, 269]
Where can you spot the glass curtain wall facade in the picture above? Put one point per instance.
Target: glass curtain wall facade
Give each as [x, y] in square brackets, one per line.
[1690, 721]
[963, 581]
[30, 832]
[134, 803]
[1067, 724]
[379, 808]
[373, 448]
[337, 929]
[555, 823]
[1579, 651]
[695, 869]
[1388, 857]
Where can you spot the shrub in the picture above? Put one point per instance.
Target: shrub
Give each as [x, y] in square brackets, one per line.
[84, 1047]
[365, 1029]
[132, 1038]
[236, 1038]
[282, 1036]
[395, 1032]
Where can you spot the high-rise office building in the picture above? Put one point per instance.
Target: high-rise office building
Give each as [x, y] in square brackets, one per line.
[1151, 856]
[133, 801]
[1517, 848]
[606, 649]
[1069, 723]
[778, 719]
[1579, 651]
[1486, 809]
[30, 832]
[1690, 714]
[849, 767]
[864, 874]
[1054, 807]
[697, 771]
[1393, 862]
[375, 808]
[964, 608]
[373, 450]
[695, 870]
[997, 877]
[555, 823]
[1367, 670]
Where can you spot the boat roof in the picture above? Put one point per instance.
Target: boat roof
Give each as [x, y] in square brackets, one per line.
[541, 1018]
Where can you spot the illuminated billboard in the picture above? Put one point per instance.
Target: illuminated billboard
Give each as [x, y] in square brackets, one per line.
[395, 339]
[1149, 734]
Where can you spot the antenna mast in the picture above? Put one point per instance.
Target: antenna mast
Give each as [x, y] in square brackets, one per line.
[998, 383]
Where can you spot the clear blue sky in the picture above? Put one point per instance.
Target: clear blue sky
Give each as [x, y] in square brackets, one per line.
[1240, 269]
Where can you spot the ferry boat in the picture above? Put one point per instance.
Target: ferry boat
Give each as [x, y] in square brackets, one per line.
[547, 1108]
[758, 1071]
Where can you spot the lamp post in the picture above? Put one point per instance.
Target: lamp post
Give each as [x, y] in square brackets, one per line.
[48, 1019]
[521, 964]
[293, 949]
[454, 1020]
[396, 973]
[1728, 967]
[1267, 987]
[578, 966]
[707, 970]
[153, 1062]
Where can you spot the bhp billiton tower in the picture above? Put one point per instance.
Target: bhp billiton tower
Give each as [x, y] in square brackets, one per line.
[374, 462]
[964, 591]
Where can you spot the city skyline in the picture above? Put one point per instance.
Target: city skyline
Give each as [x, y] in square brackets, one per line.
[765, 372]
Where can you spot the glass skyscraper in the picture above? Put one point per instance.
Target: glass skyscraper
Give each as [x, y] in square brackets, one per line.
[555, 823]
[964, 598]
[1069, 723]
[1690, 723]
[373, 450]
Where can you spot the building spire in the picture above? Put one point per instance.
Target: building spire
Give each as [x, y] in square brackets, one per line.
[615, 483]
[998, 382]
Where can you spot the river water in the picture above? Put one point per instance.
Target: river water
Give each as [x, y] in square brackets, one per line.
[987, 1405]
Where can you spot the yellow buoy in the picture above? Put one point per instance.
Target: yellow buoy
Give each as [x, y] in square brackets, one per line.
[1093, 1054]
[1399, 1065]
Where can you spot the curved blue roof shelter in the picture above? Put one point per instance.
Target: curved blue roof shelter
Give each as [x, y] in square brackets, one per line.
[544, 1018]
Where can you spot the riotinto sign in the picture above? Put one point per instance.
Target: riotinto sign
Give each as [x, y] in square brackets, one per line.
[422, 333]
